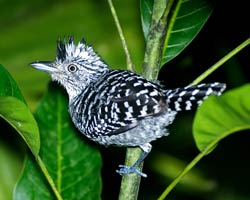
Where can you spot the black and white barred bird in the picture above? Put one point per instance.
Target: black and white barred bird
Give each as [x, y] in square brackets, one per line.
[115, 107]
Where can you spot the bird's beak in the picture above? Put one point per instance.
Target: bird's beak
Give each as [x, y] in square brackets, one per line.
[45, 66]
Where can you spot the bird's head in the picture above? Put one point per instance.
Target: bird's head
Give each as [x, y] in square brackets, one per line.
[75, 67]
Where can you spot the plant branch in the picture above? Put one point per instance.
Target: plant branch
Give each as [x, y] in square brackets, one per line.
[221, 62]
[156, 38]
[130, 65]
[48, 177]
[151, 64]
[130, 182]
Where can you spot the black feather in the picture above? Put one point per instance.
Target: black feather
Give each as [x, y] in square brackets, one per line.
[61, 51]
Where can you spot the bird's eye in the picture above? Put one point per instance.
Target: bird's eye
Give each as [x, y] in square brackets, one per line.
[72, 68]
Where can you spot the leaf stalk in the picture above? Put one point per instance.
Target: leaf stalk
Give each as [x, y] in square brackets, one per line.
[221, 62]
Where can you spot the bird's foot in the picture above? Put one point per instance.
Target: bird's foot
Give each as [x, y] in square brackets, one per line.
[130, 170]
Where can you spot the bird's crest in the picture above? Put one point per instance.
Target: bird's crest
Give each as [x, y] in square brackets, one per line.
[70, 51]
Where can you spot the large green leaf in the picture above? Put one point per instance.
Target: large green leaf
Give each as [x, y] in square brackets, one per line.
[73, 164]
[14, 110]
[185, 22]
[219, 117]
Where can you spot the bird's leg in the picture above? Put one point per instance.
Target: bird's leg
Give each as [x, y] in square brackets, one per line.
[146, 148]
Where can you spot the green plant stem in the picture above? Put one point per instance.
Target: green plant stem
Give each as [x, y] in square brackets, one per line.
[130, 65]
[48, 177]
[130, 182]
[151, 64]
[221, 62]
[156, 39]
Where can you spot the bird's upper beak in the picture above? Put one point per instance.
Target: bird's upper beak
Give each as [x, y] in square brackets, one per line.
[45, 66]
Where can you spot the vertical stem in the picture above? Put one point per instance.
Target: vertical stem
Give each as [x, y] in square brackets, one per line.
[130, 182]
[151, 64]
[156, 38]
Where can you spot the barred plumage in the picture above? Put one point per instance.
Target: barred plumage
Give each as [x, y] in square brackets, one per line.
[115, 107]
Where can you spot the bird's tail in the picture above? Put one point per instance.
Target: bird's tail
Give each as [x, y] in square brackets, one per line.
[190, 97]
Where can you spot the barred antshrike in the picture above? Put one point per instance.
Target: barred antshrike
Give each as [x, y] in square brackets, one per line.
[115, 107]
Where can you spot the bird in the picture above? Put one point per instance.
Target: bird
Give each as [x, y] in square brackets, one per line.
[118, 107]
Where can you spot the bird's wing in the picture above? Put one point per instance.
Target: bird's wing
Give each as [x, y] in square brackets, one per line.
[129, 101]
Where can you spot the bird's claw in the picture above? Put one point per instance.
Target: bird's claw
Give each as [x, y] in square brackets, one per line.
[130, 170]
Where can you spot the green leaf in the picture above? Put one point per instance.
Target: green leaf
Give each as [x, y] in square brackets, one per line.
[8, 86]
[17, 114]
[185, 23]
[219, 117]
[146, 14]
[73, 164]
